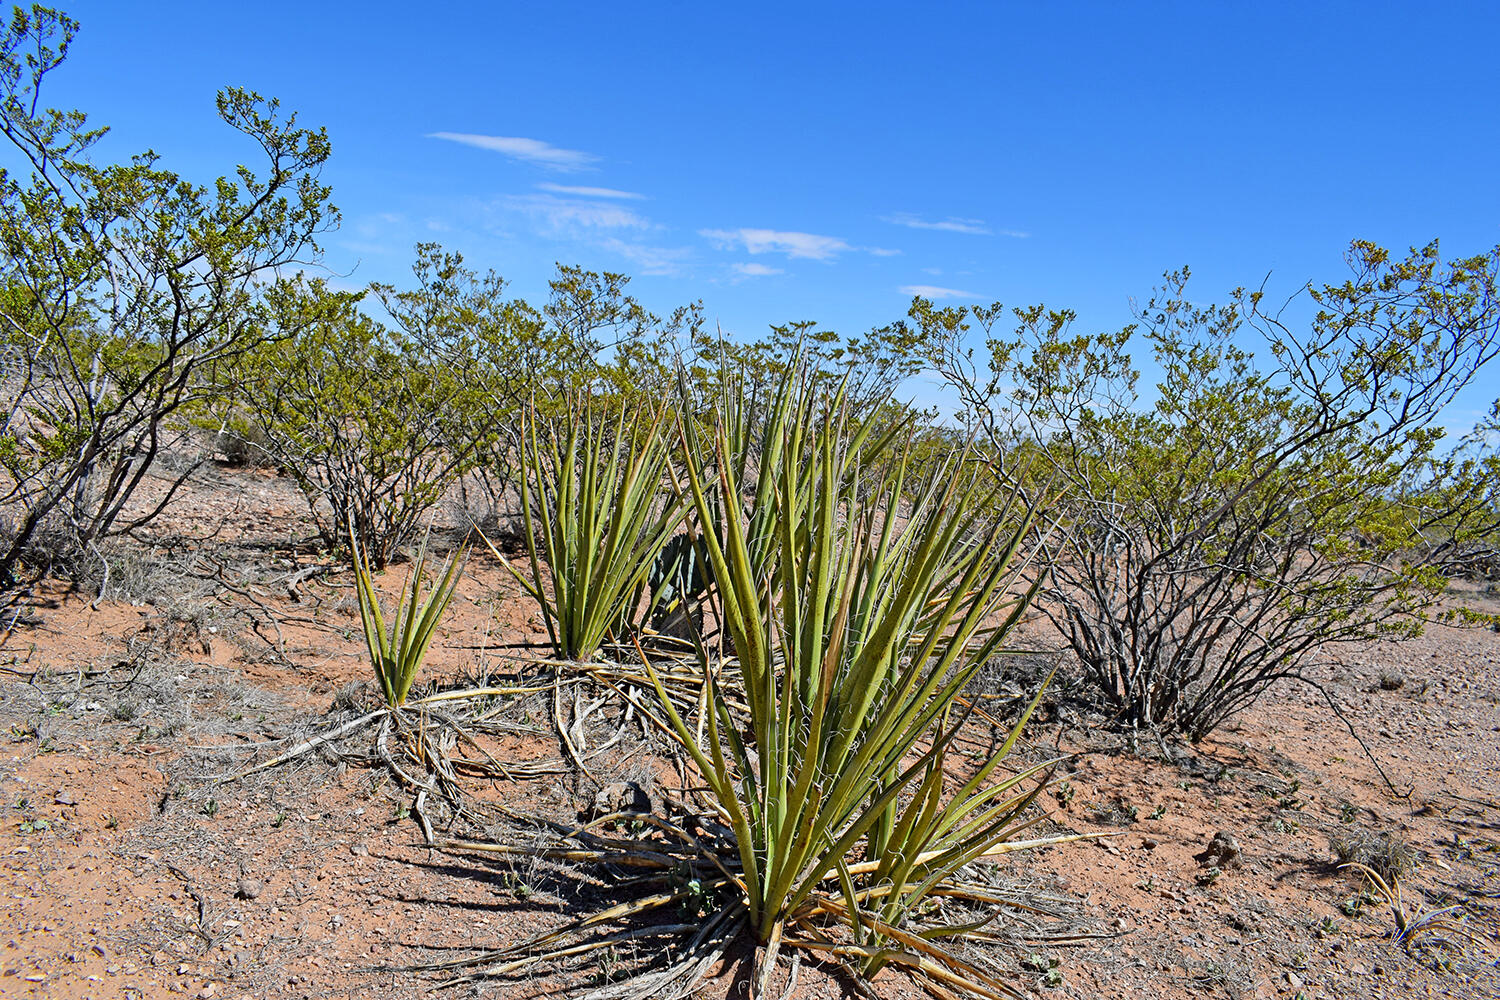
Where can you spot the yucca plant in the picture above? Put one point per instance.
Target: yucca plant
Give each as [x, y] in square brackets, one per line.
[857, 617]
[396, 652]
[595, 495]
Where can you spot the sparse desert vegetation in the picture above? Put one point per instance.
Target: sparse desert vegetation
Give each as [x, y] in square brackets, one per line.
[378, 640]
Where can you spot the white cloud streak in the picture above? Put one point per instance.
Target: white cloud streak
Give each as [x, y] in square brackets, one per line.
[559, 216]
[601, 225]
[936, 292]
[590, 192]
[650, 260]
[973, 227]
[952, 224]
[756, 241]
[755, 270]
[525, 150]
[808, 246]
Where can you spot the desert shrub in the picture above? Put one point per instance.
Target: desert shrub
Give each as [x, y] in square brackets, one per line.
[121, 285]
[361, 415]
[1459, 505]
[1213, 536]
[496, 350]
[869, 368]
[238, 441]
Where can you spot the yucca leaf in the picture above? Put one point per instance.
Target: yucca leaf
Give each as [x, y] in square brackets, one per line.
[595, 497]
[396, 654]
[858, 605]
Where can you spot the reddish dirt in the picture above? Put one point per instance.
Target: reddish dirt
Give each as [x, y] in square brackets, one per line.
[129, 869]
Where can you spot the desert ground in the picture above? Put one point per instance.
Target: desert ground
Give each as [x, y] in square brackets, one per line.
[137, 861]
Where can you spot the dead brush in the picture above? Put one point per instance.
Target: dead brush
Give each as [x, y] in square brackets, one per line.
[1386, 854]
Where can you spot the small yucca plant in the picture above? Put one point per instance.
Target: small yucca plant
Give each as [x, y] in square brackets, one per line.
[858, 608]
[397, 652]
[595, 495]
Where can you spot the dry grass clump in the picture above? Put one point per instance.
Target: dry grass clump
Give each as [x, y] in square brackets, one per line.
[1386, 852]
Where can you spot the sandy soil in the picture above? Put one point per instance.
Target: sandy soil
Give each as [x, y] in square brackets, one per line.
[129, 868]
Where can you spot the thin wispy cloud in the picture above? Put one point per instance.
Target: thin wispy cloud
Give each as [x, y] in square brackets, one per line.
[590, 192]
[808, 246]
[973, 227]
[755, 269]
[936, 292]
[648, 259]
[597, 225]
[376, 233]
[525, 150]
[952, 224]
[555, 216]
[757, 241]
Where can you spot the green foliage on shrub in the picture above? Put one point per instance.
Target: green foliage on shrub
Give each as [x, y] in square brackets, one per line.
[375, 422]
[1215, 534]
[123, 286]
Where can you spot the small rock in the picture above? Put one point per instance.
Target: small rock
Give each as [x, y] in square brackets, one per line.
[1223, 851]
[65, 798]
[249, 888]
[1293, 980]
[622, 796]
[359, 850]
[1149, 844]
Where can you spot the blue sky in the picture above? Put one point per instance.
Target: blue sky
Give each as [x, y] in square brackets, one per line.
[824, 161]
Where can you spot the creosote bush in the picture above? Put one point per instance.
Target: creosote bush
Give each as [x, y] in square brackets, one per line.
[1254, 510]
[382, 418]
[122, 286]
